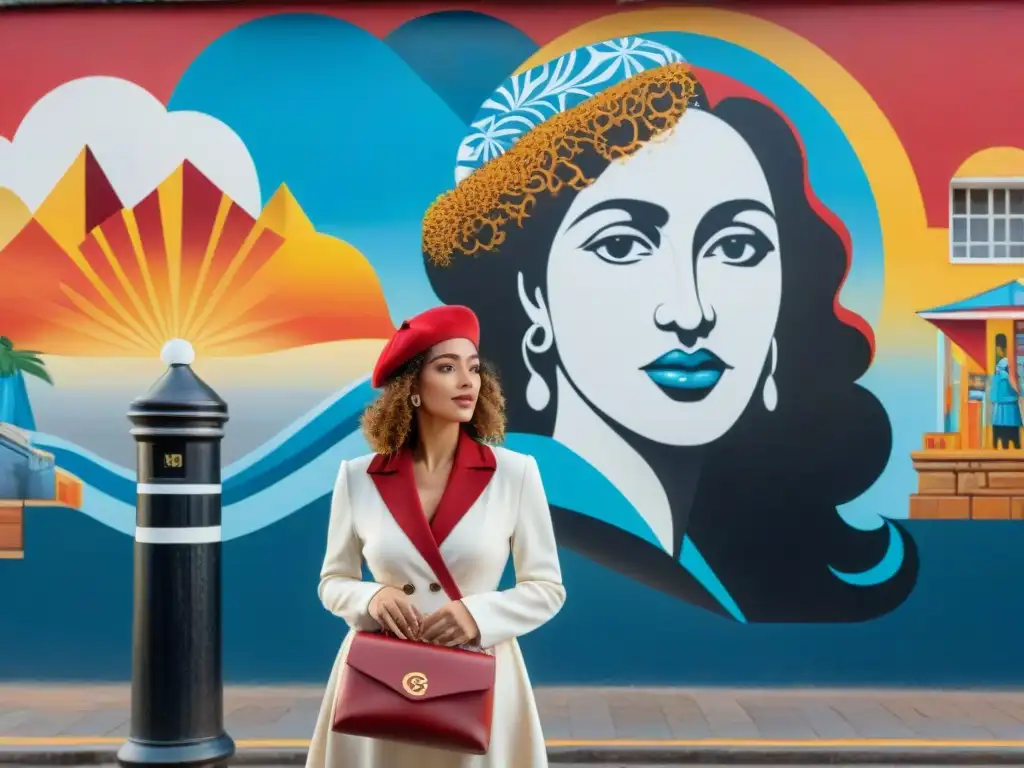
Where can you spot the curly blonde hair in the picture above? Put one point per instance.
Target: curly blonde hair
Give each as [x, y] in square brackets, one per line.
[389, 423]
[475, 215]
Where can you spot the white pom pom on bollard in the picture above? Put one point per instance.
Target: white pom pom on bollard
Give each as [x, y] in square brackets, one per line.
[177, 352]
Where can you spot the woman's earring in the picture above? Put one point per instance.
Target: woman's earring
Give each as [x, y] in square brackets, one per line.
[538, 393]
[771, 392]
[415, 400]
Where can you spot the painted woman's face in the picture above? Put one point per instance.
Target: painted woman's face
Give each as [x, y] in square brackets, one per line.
[664, 282]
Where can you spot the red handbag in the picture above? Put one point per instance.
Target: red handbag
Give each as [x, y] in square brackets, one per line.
[415, 692]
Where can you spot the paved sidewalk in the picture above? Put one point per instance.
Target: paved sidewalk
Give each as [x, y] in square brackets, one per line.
[50, 723]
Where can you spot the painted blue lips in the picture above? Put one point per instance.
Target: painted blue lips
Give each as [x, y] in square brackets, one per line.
[686, 375]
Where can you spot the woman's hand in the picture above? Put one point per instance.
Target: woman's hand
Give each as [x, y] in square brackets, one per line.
[452, 624]
[392, 610]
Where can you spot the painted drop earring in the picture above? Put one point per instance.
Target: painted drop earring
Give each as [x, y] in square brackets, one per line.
[538, 393]
[770, 393]
[415, 400]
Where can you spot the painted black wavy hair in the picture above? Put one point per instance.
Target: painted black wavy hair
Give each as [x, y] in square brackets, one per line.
[761, 502]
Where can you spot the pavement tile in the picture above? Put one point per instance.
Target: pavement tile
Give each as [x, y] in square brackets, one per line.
[12, 719]
[98, 722]
[872, 720]
[939, 721]
[686, 720]
[1014, 709]
[590, 718]
[726, 717]
[997, 722]
[47, 723]
[642, 720]
[779, 722]
[557, 723]
[826, 722]
[296, 723]
[253, 722]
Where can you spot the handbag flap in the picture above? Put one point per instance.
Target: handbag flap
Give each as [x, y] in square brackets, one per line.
[420, 671]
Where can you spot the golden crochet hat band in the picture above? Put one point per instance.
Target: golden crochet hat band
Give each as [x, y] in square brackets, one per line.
[526, 137]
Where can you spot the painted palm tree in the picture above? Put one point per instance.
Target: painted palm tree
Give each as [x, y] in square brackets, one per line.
[15, 365]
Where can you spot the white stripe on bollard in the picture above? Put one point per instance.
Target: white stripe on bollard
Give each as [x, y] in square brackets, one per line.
[209, 534]
[179, 489]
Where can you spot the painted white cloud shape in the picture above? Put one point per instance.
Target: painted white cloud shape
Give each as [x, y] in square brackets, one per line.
[136, 141]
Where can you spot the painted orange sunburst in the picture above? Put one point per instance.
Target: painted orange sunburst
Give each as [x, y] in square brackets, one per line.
[88, 277]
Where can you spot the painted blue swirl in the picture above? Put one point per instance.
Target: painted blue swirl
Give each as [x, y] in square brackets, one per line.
[298, 466]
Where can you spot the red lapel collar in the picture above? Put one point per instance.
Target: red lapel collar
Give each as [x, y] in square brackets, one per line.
[392, 474]
[472, 470]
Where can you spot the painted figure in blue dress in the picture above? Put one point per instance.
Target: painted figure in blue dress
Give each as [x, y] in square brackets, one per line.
[1006, 417]
[659, 289]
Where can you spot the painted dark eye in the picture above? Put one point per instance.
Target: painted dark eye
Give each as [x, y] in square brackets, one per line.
[740, 247]
[620, 248]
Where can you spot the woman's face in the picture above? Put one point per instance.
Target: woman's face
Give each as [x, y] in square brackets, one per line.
[664, 282]
[449, 381]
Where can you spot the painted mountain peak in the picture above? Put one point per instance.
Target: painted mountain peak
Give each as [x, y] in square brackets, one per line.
[80, 201]
[98, 279]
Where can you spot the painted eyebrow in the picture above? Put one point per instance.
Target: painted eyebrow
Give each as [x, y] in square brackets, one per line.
[643, 213]
[722, 215]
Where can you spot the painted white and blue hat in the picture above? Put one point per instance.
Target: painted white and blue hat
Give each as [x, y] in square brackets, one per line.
[524, 101]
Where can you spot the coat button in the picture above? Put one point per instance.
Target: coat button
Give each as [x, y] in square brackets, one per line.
[408, 589]
[435, 587]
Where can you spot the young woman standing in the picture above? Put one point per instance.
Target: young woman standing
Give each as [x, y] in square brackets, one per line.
[433, 482]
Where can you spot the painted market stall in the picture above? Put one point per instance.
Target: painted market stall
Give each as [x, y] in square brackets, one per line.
[973, 466]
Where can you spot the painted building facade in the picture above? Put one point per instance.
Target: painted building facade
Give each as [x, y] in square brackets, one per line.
[751, 286]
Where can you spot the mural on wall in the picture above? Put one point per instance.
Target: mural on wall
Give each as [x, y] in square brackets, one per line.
[695, 242]
[654, 283]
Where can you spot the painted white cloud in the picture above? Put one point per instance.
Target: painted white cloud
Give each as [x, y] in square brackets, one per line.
[133, 137]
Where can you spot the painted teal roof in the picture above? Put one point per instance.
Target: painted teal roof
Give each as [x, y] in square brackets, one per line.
[1005, 296]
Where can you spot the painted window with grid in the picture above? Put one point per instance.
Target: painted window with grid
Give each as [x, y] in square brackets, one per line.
[986, 223]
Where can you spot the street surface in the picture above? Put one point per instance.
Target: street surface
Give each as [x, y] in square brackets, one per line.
[574, 717]
[86, 724]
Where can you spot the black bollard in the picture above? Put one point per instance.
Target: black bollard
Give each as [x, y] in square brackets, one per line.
[177, 711]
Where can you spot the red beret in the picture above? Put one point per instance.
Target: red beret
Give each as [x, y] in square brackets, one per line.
[418, 334]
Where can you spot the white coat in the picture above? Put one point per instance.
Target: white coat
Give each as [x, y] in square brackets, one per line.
[494, 503]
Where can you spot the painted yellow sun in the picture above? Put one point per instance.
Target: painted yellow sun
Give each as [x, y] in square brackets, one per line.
[85, 276]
